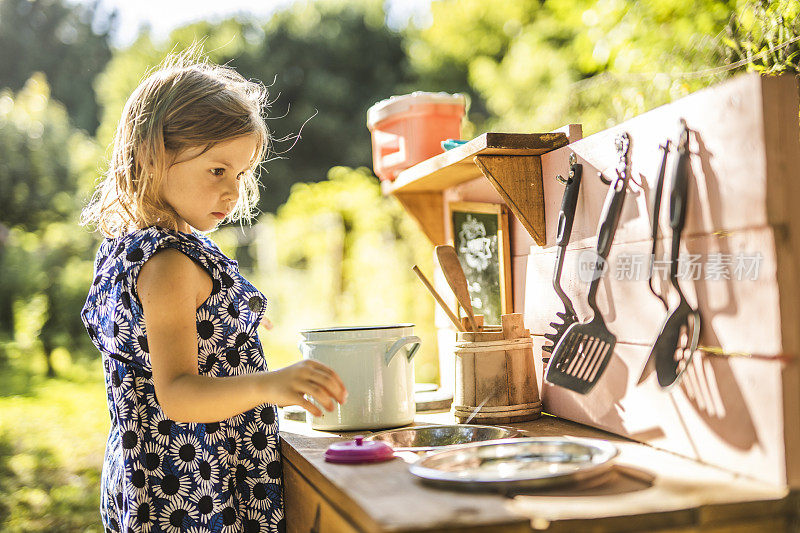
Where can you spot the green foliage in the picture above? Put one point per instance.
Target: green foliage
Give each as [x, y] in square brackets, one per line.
[46, 167]
[44, 278]
[538, 65]
[337, 254]
[764, 35]
[66, 41]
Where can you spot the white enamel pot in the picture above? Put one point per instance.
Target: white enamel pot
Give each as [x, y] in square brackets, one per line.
[376, 364]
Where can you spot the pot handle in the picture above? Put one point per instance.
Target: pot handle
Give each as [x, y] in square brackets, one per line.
[394, 348]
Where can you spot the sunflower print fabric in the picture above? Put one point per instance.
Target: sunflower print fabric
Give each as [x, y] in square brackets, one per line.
[160, 475]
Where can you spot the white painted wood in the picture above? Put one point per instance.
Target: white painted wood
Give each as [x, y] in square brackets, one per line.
[635, 315]
[726, 412]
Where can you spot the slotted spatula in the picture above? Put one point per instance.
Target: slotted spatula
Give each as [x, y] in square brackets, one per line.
[583, 352]
[565, 219]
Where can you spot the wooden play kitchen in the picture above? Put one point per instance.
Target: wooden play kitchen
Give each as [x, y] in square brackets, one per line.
[655, 305]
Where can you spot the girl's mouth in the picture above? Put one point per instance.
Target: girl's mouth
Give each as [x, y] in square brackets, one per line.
[218, 214]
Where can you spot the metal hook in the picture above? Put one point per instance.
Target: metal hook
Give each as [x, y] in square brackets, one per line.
[622, 143]
[573, 160]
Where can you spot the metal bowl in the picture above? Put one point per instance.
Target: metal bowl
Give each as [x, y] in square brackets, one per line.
[526, 463]
[427, 438]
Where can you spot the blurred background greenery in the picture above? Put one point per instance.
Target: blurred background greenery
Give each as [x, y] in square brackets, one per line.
[327, 249]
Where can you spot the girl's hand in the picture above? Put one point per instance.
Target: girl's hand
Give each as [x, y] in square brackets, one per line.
[290, 385]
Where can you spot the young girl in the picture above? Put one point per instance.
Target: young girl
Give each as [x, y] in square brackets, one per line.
[194, 431]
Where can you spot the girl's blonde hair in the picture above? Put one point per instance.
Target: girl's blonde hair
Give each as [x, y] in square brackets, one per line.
[184, 103]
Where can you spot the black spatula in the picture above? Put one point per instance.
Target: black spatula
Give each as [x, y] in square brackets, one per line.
[565, 219]
[582, 354]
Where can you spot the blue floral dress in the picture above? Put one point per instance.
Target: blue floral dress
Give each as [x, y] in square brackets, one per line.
[158, 474]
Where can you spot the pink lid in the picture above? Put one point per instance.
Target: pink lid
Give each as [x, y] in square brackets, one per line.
[402, 103]
[358, 451]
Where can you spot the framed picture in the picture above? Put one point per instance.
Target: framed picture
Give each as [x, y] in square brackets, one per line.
[480, 237]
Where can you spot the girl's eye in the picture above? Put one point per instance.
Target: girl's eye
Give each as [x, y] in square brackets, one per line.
[218, 171]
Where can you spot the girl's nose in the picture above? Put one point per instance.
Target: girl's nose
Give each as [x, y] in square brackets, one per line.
[231, 191]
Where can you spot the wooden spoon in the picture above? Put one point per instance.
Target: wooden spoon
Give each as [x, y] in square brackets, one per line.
[453, 318]
[451, 266]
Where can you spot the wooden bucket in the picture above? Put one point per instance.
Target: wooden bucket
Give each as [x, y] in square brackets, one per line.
[495, 376]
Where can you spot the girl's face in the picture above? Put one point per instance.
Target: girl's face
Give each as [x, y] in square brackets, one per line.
[203, 187]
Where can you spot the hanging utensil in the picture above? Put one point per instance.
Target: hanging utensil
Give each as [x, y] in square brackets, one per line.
[655, 210]
[582, 354]
[453, 318]
[454, 274]
[565, 219]
[683, 321]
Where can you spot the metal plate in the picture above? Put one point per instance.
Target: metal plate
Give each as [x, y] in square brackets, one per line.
[526, 463]
[426, 438]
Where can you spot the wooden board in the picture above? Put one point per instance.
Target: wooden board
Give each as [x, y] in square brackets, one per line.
[717, 415]
[654, 490]
[519, 181]
[781, 133]
[744, 191]
[729, 163]
[427, 208]
[377, 497]
[306, 510]
[635, 315]
[455, 166]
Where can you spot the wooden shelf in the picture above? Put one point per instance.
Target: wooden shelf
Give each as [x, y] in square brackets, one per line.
[456, 166]
[510, 161]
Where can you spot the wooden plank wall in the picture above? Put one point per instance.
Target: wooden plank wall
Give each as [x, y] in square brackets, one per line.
[738, 413]
[728, 411]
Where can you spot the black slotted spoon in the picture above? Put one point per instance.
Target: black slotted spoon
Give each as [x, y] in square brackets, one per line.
[582, 354]
[565, 219]
[671, 355]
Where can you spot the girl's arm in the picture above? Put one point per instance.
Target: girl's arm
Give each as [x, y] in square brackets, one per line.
[171, 287]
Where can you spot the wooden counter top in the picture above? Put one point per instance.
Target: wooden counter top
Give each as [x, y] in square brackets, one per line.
[652, 490]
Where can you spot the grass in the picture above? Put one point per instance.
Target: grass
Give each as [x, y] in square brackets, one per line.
[52, 438]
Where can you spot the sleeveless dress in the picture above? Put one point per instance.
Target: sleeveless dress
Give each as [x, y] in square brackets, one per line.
[165, 476]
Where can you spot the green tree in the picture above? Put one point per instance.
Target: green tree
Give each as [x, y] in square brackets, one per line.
[68, 42]
[764, 37]
[542, 64]
[36, 183]
[46, 169]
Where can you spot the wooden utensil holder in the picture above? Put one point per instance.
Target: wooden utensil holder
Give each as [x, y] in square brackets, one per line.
[495, 376]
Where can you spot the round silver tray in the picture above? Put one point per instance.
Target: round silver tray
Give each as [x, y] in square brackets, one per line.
[439, 437]
[525, 463]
